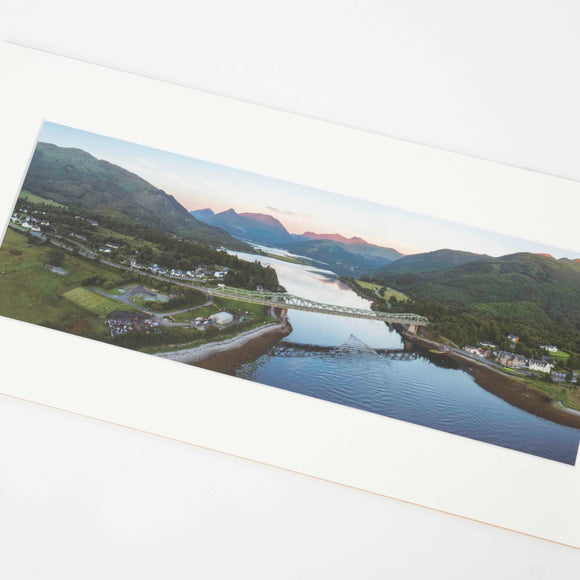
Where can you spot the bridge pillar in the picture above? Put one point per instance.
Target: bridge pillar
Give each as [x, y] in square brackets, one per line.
[412, 329]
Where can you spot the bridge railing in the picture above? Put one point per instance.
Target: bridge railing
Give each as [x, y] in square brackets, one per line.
[283, 300]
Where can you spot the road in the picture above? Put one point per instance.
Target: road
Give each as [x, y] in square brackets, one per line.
[266, 298]
[125, 298]
[382, 298]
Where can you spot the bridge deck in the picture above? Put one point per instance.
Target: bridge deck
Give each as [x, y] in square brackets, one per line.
[282, 300]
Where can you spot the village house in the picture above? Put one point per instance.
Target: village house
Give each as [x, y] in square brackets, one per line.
[550, 348]
[156, 269]
[473, 349]
[513, 338]
[514, 361]
[477, 351]
[105, 250]
[488, 344]
[539, 365]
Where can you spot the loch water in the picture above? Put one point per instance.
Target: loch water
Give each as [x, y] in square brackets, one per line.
[367, 365]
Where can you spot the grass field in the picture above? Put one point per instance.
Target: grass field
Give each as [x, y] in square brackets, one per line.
[93, 302]
[559, 354]
[32, 198]
[33, 294]
[387, 293]
[193, 314]
[254, 311]
[368, 285]
[390, 293]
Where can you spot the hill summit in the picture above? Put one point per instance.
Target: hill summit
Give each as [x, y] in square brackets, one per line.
[76, 178]
[335, 238]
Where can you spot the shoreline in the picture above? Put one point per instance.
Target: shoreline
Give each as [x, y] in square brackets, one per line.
[210, 355]
[513, 391]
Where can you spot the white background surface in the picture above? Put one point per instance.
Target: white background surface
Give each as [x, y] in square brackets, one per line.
[496, 81]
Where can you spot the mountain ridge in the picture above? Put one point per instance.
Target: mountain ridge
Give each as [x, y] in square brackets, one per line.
[335, 238]
[551, 284]
[431, 261]
[346, 256]
[75, 178]
[259, 228]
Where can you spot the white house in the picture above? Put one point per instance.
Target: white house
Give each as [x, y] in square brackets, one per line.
[222, 318]
[473, 350]
[550, 348]
[539, 365]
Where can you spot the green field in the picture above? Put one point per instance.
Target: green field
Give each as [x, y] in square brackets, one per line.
[390, 293]
[32, 198]
[386, 292]
[193, 314]
[93, 302]
[368, 285]
[33, 294]
[254, 311]
[559, 354]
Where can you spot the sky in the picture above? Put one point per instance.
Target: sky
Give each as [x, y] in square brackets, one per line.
[198, 184]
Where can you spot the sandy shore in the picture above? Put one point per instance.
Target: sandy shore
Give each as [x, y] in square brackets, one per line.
[231, 359]
[205, 351]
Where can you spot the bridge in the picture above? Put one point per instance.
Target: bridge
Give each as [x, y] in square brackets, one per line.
[288, 301]
[293, 350]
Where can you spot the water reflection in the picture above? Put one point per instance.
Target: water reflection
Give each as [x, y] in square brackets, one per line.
[377, 374]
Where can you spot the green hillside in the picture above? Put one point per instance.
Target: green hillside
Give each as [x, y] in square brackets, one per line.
[536, 297]
[76, 179]
[431, 261]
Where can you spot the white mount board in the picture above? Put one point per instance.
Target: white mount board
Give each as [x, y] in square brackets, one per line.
[336, 443]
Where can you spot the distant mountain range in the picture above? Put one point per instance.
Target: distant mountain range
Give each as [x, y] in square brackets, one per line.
[75, 178]
[334, 238]
[255, 227]
[347, 256]
[345, 259]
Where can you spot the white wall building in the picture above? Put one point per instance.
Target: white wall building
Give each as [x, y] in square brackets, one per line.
[222, 318]
[539, 365]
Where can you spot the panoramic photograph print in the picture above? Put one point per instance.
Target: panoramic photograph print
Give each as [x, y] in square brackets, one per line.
[445, 326]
